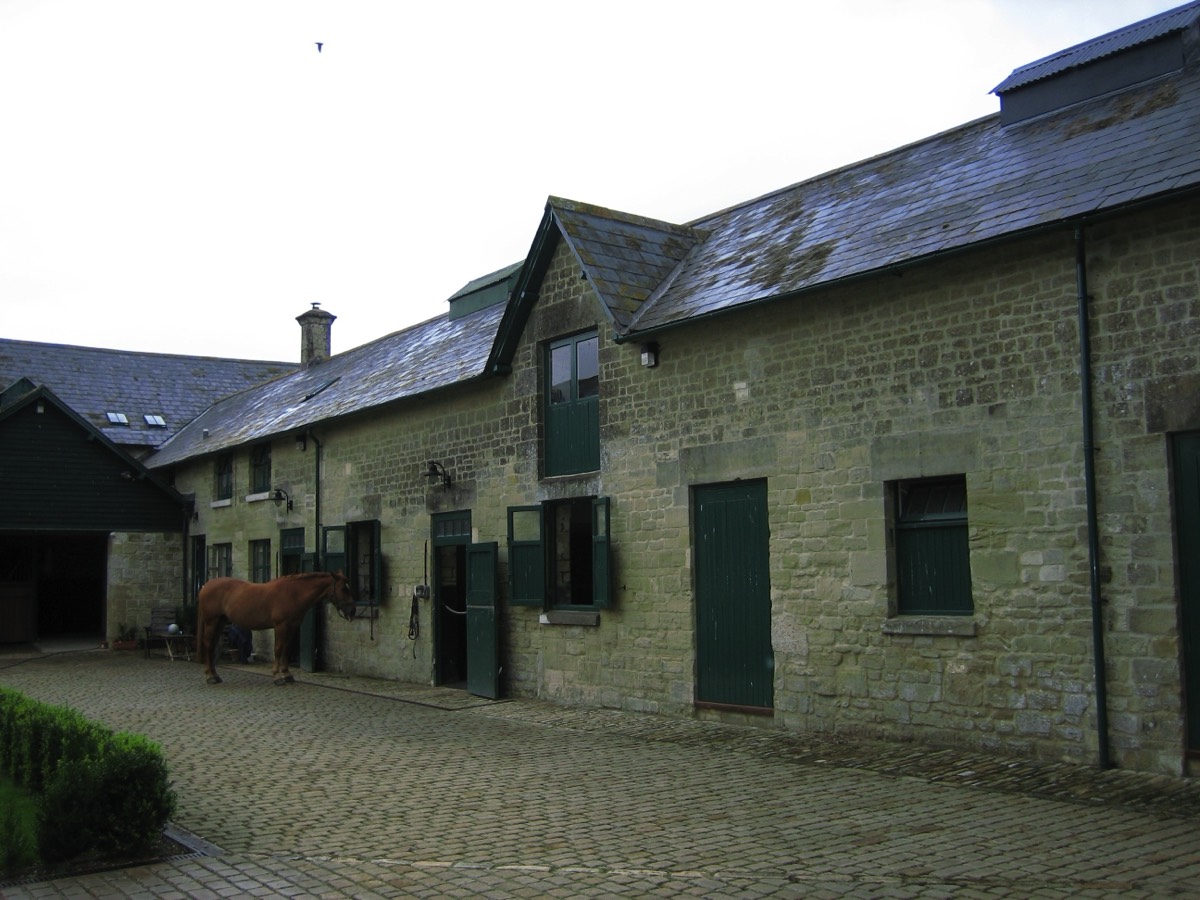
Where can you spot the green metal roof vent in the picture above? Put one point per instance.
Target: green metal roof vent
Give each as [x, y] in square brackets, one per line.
[484, 292]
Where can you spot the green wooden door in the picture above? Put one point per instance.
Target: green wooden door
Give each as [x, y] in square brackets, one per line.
[1187, 530]
[483, 630]
[735, 664]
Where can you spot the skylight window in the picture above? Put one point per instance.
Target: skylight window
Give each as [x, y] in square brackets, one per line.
[115, 418]
[155, 421]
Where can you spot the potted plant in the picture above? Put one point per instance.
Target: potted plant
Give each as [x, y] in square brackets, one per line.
[126, 638]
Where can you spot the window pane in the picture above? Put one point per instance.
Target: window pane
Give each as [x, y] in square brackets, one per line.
[526, 524]
[599, 520]
[335, 541]
[588, 367]
[560, 374]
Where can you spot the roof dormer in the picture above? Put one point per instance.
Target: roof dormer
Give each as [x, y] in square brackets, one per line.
[1112, 62]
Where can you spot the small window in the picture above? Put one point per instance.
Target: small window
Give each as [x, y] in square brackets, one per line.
[223, 477]
[220, 561]
[260, 469]
[558, 554]
[116, 418]
[291, 551]
[933, 566]
[260, 561]
[155, 421]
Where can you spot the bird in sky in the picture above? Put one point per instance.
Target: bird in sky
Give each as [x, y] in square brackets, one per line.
[319, 46]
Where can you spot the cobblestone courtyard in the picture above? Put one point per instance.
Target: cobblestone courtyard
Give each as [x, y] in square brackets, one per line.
[340, 786]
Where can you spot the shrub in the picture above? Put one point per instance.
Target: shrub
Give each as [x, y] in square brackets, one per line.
[99, 791]
[116, 803]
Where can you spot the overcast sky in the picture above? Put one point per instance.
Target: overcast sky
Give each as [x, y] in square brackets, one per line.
[188, 176]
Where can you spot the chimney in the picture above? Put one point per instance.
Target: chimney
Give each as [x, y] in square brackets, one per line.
[315, 326]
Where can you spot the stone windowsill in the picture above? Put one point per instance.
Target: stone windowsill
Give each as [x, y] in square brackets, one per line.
[951, 626]
[569, 617]
[218, 504]
[254, 498]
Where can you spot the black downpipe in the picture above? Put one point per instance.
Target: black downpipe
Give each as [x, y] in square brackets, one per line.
[1089, 479]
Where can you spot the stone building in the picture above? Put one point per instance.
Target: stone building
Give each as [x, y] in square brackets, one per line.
[907, 450]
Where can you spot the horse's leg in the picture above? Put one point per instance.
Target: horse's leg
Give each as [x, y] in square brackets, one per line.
[283, 643]
[208, 633]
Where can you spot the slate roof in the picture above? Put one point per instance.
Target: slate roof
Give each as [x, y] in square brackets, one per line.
[624, 257]
[435, 354]
[1142, 32]
[95, 382]
[978, 183]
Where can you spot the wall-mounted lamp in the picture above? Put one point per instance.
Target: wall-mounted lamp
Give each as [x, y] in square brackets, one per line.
[279, 496]
[301, 442]
[195, 515]
[437, 470]
[650, 355]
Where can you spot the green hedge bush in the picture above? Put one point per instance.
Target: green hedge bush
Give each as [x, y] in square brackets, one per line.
[99, 791]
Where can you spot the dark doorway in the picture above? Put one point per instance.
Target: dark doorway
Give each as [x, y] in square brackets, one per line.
[450, 597]
[53, 585]
[451, 537]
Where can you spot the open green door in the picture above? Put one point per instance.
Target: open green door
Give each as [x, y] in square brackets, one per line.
[483, 630]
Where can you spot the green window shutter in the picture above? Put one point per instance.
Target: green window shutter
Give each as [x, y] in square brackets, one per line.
[376, 562]
[601, 560]
[526, 556]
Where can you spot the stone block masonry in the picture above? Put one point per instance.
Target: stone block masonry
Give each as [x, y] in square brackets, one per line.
[965, 366]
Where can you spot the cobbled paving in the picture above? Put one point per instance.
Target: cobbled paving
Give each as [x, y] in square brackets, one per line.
[349, 787]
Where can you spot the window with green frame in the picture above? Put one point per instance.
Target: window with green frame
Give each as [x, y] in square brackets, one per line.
[571, 439]
[223, 477]
[558, 554]
[933, 565]
[260, 561]
[260, 468]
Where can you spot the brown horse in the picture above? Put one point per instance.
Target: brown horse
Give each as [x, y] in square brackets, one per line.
[279, 604]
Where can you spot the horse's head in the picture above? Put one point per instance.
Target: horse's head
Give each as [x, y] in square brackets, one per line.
[341, 597]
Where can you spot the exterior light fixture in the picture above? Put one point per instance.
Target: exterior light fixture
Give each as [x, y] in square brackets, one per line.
[650, 355]
[301, 442]
[437, 470]
[279, 495]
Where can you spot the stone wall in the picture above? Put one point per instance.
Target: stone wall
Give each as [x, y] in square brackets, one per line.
[965, 366]
[145, 570]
